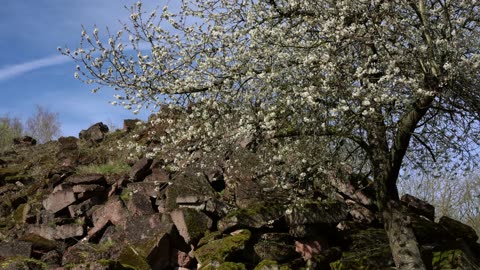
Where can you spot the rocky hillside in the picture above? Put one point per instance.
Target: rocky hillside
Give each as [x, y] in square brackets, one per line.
[86, 204]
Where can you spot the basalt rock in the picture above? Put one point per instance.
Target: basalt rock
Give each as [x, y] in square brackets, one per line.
[25, 140]
[95, 133]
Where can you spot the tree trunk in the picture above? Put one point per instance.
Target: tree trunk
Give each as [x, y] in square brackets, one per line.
[402, 240]
[403, 244]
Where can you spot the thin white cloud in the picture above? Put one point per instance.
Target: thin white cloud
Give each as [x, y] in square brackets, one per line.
[54, 60]
[19, 69]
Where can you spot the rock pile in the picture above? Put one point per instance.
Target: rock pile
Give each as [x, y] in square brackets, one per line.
[151, 217]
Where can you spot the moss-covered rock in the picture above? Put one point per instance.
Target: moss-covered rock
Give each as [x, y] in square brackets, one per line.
[316, 212]
[191, 224]
[271, 265]
[428, 232]
[219, 251]
[208, 237]
[452, 259]
[368, 249]
[22, 263]
[129, 257]
[370, 259]
[276, 247]
[225, 266]
[257, 216]
[21, 213]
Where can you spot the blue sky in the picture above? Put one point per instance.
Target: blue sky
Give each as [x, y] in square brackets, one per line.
[33, 72]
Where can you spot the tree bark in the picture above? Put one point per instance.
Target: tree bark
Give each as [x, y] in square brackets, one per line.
[402, 240]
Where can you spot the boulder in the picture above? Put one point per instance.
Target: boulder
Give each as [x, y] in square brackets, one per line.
[25, 140]
[190, 224]
[40, 243]
[258, 216]
[83, 208]
[150, 189]
[139, 204]
[368, 249]
[140, 169]
[453, 259]
[219, 251]
[59, 200]
[68, 143]
[310, 218]
[81, 254]
[458, 229]
[182, 259]
[359, 213]
[158, 175]
[95, 133]
[189, 189]
[247, 192]
[275, 246]
[15, 248]
[418, 206]
[113, 211]
[430, 233]
[130, 124]
[152, 238]
[57, 232]
[89, 178]
[87, 191]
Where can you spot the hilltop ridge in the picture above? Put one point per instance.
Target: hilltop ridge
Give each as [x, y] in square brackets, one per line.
[93, 203]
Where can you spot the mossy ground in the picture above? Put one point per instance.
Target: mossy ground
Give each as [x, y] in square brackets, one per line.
[20, 263]
[105, 169]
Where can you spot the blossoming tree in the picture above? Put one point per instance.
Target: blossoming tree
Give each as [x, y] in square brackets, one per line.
[385, 79]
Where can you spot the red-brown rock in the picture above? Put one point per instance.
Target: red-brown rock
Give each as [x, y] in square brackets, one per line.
[59, 200]
[90, 178]
[419, 207]
[139, 204]
[113, 211]
[57, 232]
[191, 224]
[140, 170]
[15, 248]
[95, 133]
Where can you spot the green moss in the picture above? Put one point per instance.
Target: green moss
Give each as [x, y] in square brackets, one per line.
[255, 216]
[21, 212]
[22, 263]
[367, 259]
[448, 259]
[12, 174]
[270, 265]
[38, 241]
[196, 222]
[217, 251]
[114, 264]
[231, 266]
[208, 237]
[225, 266]
[126, 195]
[245, 212]
[129, 257]
[108, 168]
